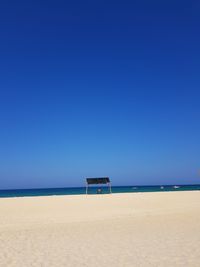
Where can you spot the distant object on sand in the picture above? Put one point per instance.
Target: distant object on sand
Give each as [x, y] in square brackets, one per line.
[98, 181]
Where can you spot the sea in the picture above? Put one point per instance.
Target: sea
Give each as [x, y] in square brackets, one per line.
[94, 190]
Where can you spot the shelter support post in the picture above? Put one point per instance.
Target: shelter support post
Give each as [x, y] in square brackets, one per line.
[86, 189]
[110, 188]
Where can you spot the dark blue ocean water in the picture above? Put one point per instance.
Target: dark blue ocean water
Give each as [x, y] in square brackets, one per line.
[93, 190]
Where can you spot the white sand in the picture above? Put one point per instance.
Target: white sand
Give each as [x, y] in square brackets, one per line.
[118, 230]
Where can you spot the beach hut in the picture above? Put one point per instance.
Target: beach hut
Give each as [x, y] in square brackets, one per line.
[98, 181]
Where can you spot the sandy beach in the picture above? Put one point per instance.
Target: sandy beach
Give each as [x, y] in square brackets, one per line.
[139, 229]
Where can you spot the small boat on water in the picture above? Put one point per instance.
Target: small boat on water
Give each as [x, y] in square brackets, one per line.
[175, 187]
[162, 187]
[134, 188]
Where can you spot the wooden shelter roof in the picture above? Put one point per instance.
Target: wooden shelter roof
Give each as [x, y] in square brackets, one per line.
[101, 180]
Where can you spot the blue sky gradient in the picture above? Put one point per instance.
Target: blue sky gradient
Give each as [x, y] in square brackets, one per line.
[99, 88]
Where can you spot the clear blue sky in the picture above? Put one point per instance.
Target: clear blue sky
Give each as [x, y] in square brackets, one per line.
[99, 88]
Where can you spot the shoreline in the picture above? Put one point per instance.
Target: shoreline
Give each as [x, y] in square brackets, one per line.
[95, 194]
[93, 190]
